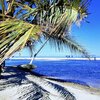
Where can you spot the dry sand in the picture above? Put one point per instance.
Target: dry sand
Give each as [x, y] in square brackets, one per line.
[79, 91]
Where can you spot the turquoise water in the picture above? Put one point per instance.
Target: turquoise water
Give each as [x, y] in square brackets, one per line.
[78, 71]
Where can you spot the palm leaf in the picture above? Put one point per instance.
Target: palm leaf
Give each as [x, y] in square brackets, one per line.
[19, 32]
[10, 6]
[67, 42]
[61, 43]
[3, 8]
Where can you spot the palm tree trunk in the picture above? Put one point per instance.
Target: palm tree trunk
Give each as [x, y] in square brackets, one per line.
[38, 51]
[31, 61]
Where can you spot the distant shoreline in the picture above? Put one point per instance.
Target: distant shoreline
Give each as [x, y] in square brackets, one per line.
[57, 58]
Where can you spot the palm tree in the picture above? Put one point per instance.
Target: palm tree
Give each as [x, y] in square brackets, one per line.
[24, 22]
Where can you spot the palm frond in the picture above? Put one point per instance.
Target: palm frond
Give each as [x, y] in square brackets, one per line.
[10, 6]
[30, 44]
[3, 8]
[73, 12]
[15, 34]
[61, 43]
[28, 11]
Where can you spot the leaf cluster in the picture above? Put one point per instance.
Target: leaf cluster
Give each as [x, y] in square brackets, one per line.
[23, 22]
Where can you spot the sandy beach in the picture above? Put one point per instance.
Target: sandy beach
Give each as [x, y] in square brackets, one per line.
[16, 84]
[81, 92]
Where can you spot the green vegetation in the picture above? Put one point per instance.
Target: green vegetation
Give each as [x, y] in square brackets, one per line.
[24, 22]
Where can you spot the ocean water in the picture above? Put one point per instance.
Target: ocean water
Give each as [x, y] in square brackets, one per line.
[79, 71]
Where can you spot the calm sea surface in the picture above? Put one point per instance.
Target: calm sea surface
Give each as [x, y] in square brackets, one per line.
[78, 71]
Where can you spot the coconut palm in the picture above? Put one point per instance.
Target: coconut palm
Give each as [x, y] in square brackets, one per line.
[24, 22]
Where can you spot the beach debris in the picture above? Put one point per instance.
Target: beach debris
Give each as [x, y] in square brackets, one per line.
[27, 67]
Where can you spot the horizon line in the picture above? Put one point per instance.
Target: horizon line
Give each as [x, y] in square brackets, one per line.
[61, 58]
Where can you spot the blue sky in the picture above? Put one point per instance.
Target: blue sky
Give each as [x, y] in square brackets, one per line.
[89, 33]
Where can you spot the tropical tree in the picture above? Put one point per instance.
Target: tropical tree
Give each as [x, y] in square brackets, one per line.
[24, 22]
